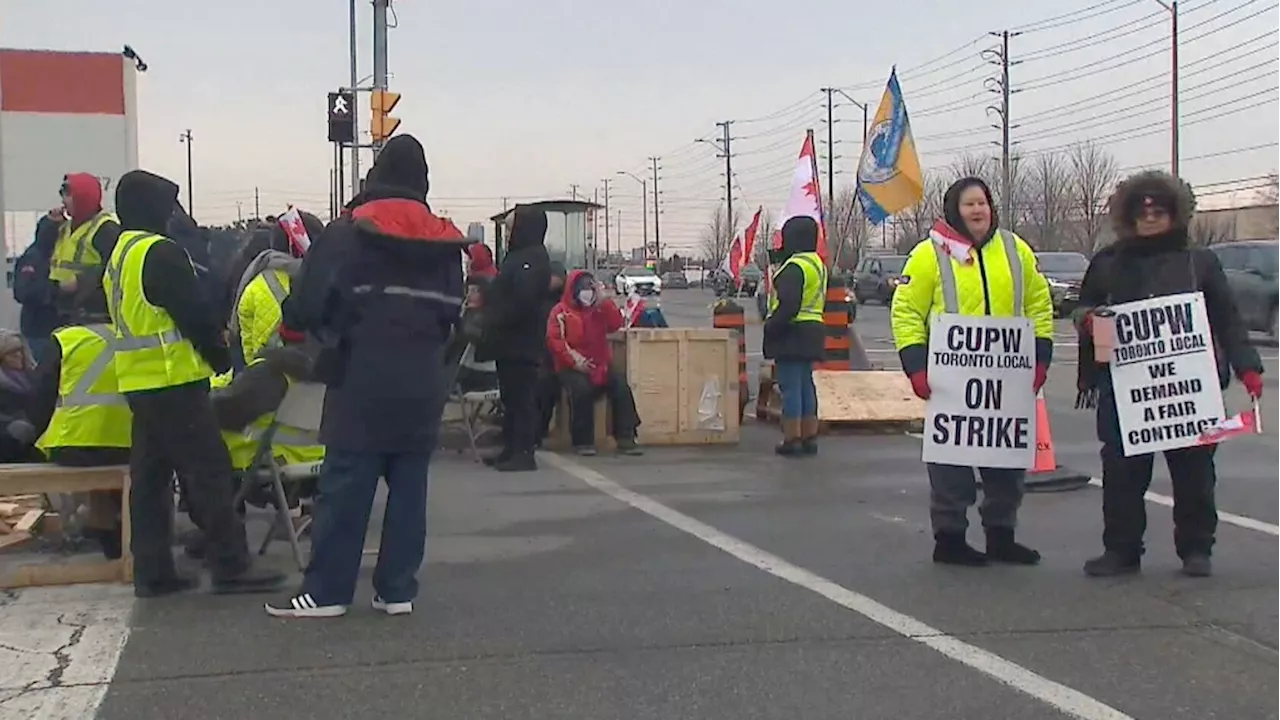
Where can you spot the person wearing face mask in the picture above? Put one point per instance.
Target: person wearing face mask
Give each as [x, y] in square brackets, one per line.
[1151, 212]
[794, 333]
[578, 338]
[988, 271]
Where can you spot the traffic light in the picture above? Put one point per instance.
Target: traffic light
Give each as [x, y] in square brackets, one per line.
[383, 125]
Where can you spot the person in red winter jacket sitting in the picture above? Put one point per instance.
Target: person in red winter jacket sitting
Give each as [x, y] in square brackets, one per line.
[577, 337]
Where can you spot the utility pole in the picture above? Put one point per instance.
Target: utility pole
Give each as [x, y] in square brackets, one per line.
[355, 116]
[831, 148]
[573, 191]
[257, 208]
[185, 137]
[1172, 8]
[620, 233]
[606, 220]
[726, 151]
[644, 211]
[657, 237]
[1000, 87]
[379, 54]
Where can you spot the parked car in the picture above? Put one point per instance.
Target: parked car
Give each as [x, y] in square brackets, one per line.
[1251, 273]
[724, 285]
[1065, 272]
[643, 280]
[675, 280]
[876, 278]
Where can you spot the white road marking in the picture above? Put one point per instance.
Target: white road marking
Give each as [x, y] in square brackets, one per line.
[59, 648]
[1247, 523]
[1071, 702]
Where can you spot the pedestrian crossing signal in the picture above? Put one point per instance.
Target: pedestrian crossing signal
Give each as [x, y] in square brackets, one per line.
[383, 125]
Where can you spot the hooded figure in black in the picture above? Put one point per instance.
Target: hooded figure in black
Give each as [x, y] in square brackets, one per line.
[516, 320]
[1151, 213]
[174, 428]
[382, 289]
[793, 338]
[548, 394]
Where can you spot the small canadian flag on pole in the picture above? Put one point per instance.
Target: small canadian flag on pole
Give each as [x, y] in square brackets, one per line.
[806, 196]
[293, 227]
[1245, 423]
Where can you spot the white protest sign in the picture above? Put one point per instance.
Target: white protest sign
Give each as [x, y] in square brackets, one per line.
[1164, 373]
[982, 412]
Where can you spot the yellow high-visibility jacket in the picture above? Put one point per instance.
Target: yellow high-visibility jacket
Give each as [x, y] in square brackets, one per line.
[985, 286]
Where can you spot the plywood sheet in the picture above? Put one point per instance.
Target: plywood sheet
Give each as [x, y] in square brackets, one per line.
[866, 396]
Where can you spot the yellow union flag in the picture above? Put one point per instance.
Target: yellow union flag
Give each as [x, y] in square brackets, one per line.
[889, 177]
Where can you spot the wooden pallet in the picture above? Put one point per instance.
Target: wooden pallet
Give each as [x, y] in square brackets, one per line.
[852, 401]
[19, 515]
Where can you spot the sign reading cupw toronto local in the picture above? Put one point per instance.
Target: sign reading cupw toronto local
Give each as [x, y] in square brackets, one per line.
[1165, 373]
[982, 411]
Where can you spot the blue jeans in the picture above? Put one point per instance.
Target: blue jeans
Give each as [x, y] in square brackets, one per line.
[348, 481]
[795, 382]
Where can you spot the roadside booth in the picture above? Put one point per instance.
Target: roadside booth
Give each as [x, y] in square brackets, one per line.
[570, 231]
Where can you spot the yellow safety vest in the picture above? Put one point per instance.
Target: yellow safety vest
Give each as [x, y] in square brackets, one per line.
[91, 412]
[259, 311]
[814, 300]
[151, 353]
[288, 446]
[74, 253]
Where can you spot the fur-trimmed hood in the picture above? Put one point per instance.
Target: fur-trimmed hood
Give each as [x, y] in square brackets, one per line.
[1161, 188]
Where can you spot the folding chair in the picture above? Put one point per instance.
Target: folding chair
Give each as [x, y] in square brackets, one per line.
[475, 404]
[298, 420]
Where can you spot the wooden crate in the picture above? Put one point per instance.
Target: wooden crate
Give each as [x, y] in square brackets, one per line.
[668, 370]
[21, 480]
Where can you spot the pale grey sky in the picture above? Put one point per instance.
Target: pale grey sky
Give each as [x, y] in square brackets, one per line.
[521, 100]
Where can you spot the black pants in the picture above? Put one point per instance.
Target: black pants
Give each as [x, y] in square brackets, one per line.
[582, 400]
[175, 431]
[548, 396]
[517, 383]
[1124, 512]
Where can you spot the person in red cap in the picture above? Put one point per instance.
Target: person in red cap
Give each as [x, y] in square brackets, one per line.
[481, 265]
[1151, 212]
[86, 236]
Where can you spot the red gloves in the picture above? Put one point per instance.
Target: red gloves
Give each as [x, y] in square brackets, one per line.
[291, 337]
[1252, 381]
[1042, 374]
[920, 384]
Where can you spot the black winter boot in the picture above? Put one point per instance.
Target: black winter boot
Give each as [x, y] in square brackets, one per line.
[520, 462]
[1112, 564]
[1002, 548]
[950, 548]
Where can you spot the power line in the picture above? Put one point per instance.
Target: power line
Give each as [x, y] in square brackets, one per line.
[1065, 18]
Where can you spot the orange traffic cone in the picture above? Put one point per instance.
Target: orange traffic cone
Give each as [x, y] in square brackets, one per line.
[1047, 475]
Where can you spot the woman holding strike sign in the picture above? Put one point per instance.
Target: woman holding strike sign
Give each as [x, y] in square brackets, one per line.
[968, 266]
[1152, 257]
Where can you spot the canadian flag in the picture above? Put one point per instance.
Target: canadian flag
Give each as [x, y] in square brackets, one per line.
[744, 245]
[291, 222]
[806, 196]
[1239, 424]
[955, 244]
[633, 309]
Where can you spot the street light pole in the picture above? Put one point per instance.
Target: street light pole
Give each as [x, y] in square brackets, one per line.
[1172, 7]
[185, 138]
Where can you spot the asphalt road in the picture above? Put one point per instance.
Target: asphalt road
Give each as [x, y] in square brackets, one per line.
[721, 583]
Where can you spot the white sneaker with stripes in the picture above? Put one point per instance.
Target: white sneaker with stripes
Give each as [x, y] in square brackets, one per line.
[303, 605]
[392, 608]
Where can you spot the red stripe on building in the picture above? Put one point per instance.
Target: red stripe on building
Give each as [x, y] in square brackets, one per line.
[44, 81]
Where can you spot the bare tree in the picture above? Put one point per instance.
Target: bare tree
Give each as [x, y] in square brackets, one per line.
[979, 166]
[718, 236]
[764, 236]
[1093, 178]
[1048, 202]
[1211, 228]
[914, 223]
[847, 228]
[1270, 195]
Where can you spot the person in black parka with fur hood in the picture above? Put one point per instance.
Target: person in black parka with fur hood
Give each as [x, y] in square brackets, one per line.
[1151, 213]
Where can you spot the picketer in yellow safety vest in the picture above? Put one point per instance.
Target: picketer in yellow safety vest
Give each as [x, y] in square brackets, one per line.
[794, 333]
[90, 411]
[85, 238]
[288, 446]
[168, 347]
[259, 311]
[973, 269]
